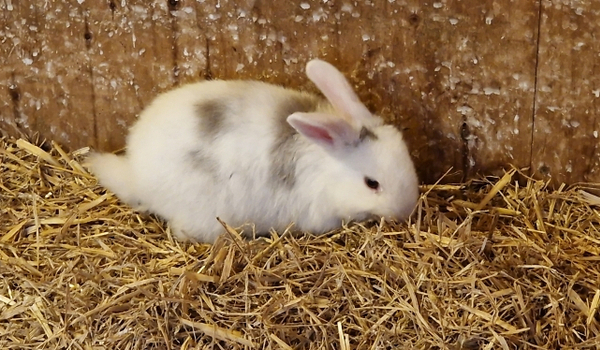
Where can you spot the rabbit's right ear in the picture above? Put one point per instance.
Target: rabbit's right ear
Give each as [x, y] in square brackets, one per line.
[328, 130]
[337, 90]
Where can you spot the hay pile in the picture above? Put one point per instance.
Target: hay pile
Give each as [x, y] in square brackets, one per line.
[485, 265]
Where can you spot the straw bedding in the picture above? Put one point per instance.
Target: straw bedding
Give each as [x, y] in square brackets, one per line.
[490, 264]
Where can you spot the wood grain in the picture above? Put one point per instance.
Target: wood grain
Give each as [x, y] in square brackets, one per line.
[567, 124]
[49, 88]
[131, 61]
[9, 97]
[458, 77]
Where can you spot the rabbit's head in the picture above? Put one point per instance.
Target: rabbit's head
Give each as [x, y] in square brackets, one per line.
[368, 169]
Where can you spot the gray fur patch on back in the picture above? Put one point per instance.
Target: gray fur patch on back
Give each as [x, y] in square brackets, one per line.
[285, 147]
[212, 115]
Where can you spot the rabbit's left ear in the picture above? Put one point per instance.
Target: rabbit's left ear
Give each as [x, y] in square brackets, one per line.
[337, 90]
[328, 130]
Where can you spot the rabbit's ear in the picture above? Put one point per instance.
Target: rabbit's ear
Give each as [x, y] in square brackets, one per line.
[337, 90]
[328, 130]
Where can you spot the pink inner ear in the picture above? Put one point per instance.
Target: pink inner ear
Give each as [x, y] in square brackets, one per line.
[318, 133]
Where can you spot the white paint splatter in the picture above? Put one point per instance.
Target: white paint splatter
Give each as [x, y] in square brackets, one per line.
[28, 61]
[366, 37]
[464, 110]
[475, 90]
[491, 91]
[347, 7]
[524, 85]
[474, 122]
[317, 15]
[140, 10]
[453, 82]
[453, 21]
[437, 5]
[305, 6]
[596, 92]
[595, 133]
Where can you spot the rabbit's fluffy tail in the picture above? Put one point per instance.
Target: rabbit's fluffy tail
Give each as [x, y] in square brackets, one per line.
[114, 173]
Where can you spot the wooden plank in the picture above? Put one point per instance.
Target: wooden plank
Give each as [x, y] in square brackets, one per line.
[457, 78]
[131, 56]
[49, 84]
[9, 97]
[247, 40]
[292, 33]
[461, 100]
[189, 40]
[566, 131]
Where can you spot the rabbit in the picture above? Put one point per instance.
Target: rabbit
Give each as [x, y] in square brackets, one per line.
[252, 152]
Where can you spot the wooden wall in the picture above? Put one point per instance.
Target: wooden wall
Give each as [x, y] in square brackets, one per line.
[476, 85]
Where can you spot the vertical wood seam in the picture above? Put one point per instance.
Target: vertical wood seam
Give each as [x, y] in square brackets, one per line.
[535, 85]
[15, 97]
[90, 69]
[207, 71]
[174, 30]
[465, 134]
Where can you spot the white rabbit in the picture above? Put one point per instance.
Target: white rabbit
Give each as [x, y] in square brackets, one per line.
[251, 152]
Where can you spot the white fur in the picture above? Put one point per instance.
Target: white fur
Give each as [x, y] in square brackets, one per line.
[158, 173]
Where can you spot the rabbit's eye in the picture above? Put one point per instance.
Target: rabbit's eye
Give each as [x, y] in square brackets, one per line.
[372, 184]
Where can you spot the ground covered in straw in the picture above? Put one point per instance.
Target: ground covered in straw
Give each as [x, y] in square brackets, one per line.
[484, 265]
